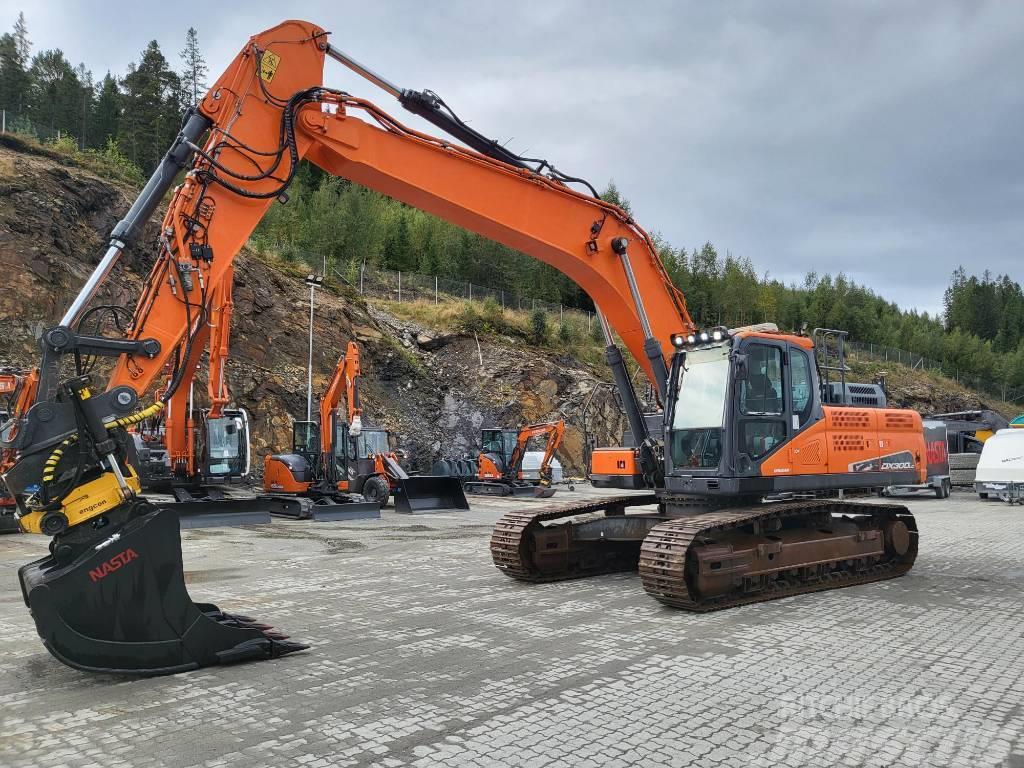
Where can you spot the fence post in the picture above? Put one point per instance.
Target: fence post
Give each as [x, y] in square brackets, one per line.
[399, 286]
[470, 291]
[560, 322]
[362, 270]
[435, 289]
[3, 121]
[503, 298]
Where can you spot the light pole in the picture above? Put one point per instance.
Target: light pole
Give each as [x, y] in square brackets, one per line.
[314, 282]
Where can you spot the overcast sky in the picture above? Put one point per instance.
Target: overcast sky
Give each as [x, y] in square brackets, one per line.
[878, 138]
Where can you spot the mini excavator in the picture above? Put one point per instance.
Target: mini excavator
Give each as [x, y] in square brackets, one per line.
[335, 458]
[500, 464]
[748, 439]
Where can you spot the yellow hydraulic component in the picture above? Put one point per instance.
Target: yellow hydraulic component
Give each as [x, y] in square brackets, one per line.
[135, 418]
[87, 501]
[95, 497]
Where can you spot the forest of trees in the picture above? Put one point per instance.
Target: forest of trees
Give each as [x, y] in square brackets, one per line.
[980, 334]
[137, 114]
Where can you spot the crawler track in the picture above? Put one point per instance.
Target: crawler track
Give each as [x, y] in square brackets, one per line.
[514, 544]
[525, 549]
[666, 564]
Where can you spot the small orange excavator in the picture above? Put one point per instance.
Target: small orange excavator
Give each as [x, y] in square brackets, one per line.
[499, 468]
[334, 458]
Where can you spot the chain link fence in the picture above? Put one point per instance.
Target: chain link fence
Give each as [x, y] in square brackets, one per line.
[412, 286]
[18, 124]
[392, 285]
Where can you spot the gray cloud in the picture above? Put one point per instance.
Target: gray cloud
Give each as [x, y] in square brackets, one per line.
[877, 138]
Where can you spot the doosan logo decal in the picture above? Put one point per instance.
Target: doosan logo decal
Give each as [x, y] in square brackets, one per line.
[115, 563]
[898, 465]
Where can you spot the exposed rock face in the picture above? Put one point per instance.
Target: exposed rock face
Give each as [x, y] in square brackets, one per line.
[426, 387]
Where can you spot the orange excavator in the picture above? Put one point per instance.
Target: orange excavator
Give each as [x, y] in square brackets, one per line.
[749, 435]
[499, 467]
[334, 458]
[198, 454]
[17, 392]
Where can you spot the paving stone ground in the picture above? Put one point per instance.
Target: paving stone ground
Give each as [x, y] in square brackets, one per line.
[425, 655]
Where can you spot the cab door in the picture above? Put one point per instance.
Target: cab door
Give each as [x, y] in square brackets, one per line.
[762, 404]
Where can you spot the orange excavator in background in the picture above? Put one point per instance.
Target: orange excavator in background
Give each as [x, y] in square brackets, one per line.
[334, 458]
[746, 424]
[499, 467]
[197, 453]
[17, 393]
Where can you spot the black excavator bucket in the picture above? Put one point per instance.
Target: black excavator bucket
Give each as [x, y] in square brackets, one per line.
[429, 493]
[543, 491]
[121, 607]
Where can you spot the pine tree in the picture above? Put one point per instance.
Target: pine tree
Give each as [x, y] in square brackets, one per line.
[106, 112]
[23, 46]
[612, 195]
[55, 96]
[15, 50]
[193, 76]
[152, 108]
[86, 97]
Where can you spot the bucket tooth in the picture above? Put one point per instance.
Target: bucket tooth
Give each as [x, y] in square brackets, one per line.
[121, 606]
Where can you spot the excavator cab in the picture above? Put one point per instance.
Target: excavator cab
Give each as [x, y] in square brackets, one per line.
[751, 413]
[222, 453]
[498, 445]
[225, 448]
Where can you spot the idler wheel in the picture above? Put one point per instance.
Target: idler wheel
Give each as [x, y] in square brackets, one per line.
[897, 537]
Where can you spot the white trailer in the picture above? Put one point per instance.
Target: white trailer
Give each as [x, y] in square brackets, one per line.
[1001, 467]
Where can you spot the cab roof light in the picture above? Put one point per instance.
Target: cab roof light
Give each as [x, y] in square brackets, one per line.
[704, 336]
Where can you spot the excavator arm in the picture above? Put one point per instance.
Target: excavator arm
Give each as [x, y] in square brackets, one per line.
[345, 379]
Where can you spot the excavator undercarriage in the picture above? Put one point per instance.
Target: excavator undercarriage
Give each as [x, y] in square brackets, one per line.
[706, 560]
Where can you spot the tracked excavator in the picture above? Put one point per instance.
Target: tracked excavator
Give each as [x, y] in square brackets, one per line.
[110, 596]
[197, 454]
[499, 465]
[336, 457]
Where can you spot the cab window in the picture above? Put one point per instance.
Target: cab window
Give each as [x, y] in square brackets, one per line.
[800, 374]
[762, 425]
[761, 391]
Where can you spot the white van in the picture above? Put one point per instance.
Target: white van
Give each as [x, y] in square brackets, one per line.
[1001, 466]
